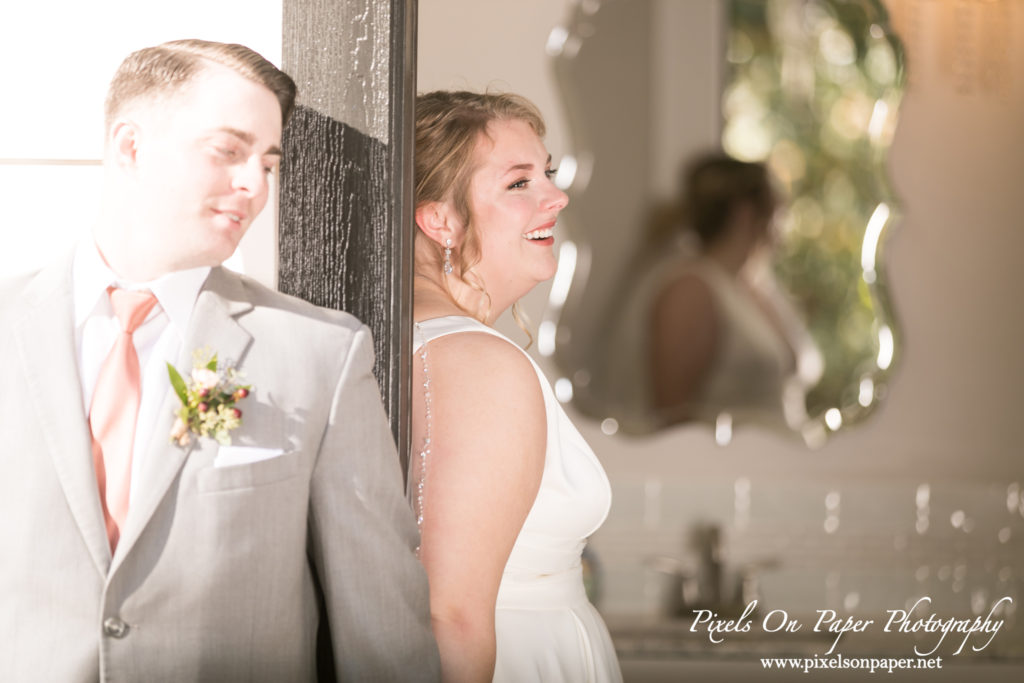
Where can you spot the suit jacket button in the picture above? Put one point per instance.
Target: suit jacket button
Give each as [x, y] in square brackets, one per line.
[115, 628]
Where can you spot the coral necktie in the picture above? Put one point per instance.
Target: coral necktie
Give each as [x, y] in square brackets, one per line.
[115, 406]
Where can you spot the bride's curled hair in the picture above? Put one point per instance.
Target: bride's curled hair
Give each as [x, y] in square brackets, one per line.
[448, 126]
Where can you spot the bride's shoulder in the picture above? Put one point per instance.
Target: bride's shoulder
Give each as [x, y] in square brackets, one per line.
[486, 397]
[481, 364]
[479, 348]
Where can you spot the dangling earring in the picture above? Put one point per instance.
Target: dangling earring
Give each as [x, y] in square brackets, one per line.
[447, 256]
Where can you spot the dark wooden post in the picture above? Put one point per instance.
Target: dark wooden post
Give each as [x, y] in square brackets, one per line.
[345, 238]
[345, 229]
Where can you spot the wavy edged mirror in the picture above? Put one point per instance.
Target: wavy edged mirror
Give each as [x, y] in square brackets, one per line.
[808, 88]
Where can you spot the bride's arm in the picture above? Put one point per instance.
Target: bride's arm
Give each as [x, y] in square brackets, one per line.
[482, 475]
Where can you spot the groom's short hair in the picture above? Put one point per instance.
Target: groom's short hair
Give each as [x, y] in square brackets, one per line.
[165, 69]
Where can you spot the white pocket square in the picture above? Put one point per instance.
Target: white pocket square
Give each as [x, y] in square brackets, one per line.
[231, 456]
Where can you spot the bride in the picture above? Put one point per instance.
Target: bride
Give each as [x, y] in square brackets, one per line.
[505, 489]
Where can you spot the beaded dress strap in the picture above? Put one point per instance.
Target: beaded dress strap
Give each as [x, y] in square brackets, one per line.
[418, 477]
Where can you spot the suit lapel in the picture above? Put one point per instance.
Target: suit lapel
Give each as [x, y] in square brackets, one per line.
[46, 345]
[213, 325]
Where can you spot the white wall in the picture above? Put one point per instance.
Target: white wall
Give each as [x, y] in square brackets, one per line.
[952, 417]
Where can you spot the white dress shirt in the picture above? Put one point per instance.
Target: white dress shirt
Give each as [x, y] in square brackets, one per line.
[157, 340]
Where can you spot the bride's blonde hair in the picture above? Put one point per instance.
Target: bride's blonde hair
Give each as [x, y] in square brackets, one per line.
[448, 126]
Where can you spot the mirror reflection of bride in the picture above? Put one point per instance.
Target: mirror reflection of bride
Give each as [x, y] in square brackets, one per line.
[705, 334]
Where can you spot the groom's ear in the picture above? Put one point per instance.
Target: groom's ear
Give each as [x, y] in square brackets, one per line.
[437, 220]
[124, 143]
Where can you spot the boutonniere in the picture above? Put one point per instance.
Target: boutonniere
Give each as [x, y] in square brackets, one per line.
[208, 400]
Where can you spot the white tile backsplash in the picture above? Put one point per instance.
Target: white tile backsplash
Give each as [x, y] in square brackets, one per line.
[971, 554]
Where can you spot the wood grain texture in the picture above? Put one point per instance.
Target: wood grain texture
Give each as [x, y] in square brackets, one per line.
[339, 53]
[336, 248]
[346, 176]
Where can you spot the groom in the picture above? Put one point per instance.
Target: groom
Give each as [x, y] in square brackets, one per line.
[135, 545]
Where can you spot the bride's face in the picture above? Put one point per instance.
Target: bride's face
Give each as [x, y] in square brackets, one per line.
[513, 205]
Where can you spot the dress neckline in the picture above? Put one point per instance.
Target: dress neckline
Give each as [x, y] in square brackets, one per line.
[447, 317]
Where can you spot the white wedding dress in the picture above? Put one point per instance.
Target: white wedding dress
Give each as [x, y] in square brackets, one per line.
[547, 630]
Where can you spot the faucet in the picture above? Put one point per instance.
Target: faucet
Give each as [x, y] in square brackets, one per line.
[700, 581]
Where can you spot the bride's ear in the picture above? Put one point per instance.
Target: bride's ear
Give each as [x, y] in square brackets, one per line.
[437, 221]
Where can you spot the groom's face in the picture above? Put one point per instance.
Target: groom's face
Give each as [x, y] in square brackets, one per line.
[203, 165]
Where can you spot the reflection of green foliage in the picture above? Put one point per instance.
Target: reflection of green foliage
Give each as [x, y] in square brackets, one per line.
[815, 72]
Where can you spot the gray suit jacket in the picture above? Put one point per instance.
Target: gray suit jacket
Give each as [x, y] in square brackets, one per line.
[221, 574]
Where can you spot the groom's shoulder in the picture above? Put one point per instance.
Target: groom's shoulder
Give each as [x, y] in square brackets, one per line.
[11, 284]
[16, 282]
[292, 315]
[13, 289]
